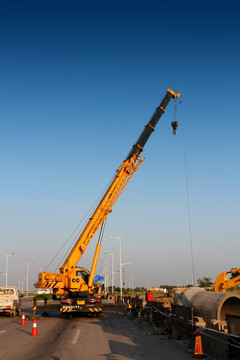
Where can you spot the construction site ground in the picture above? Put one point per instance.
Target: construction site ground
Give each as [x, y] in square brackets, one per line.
[114, 336]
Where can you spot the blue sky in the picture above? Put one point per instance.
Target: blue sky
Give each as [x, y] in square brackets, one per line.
[79, 81]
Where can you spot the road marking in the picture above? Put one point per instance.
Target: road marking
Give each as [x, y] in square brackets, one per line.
[75, 339]
[2, 331]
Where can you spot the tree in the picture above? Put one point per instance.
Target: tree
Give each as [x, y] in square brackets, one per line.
[205, 282]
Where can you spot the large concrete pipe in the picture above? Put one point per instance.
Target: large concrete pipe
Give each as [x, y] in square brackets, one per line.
[209, 304]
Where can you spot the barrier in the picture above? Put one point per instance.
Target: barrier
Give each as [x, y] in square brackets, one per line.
[23, 322]
[34, 329]
[198, 349]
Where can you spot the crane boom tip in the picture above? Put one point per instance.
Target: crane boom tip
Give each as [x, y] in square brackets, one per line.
[174, 95]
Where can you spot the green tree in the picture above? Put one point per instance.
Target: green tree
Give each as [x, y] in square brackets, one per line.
[205, 282]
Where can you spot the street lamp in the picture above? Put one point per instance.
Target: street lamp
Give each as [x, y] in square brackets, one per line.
[23, 278]
[105, 276]
[7, 265]
[120, 260]
[131, 280]
[2, 274]
[111, 254]
[103, 271]
[127, 263]
[27, 276]
[106, 282]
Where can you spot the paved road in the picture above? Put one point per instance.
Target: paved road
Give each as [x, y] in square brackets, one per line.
[112, 337]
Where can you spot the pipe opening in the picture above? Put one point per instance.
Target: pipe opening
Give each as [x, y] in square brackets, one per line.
[230, 306]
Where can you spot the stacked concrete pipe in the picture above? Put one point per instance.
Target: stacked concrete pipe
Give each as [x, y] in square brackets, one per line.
[209, 304]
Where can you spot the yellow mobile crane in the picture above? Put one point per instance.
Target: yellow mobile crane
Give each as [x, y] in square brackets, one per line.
[222, 283]
[74, 286]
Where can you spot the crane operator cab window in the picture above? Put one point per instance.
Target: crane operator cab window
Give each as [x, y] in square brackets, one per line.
[83, 274]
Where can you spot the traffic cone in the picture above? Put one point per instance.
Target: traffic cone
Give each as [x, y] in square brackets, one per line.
[198, 349]
[23, 319]
[34, 329]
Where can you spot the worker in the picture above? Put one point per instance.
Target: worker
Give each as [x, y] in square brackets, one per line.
[149, 297]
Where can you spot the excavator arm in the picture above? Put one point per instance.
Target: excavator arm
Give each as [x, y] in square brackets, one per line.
[222, 283]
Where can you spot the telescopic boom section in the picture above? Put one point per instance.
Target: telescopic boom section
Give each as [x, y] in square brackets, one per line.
[122, 178]
[149, 128]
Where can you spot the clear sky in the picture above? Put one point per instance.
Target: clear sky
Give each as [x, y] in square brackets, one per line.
[79, 81]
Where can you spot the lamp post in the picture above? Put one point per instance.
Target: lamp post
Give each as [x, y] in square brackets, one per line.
[132, 282]
[102, 272]
[120, 260]
[3, 274]
[106, 282]
[127, 263]
[27, 276]
[111, 254]
[7, 266]
[23, 278]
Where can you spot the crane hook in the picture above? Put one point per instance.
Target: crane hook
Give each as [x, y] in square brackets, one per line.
[174, 126]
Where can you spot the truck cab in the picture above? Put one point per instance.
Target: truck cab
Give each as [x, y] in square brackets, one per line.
[10, 301]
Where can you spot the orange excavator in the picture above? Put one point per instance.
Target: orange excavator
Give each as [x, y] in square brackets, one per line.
[222, 283]
[74, 286]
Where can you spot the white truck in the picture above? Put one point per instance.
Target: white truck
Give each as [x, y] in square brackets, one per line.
[10, 302]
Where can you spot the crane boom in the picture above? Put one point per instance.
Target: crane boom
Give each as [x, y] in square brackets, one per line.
[72, 280]
[123, 176]
[150, 127]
